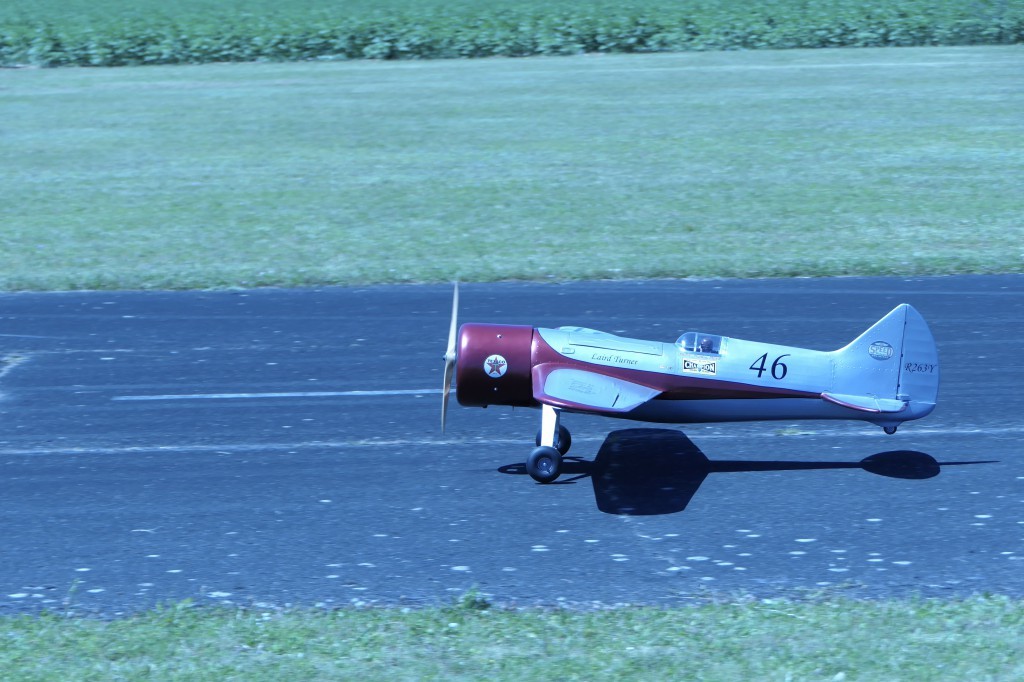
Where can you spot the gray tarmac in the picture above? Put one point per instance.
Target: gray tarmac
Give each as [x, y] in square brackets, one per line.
[282, 447]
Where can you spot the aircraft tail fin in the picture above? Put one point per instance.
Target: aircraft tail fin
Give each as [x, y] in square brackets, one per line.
[919, 366]
[894, 360]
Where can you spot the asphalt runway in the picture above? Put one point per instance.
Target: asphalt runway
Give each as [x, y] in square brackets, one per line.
[282, 447]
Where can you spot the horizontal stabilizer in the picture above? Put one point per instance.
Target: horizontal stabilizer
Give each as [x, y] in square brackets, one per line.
[865, 403]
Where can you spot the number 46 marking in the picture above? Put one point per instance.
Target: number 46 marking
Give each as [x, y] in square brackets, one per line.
[778, 368]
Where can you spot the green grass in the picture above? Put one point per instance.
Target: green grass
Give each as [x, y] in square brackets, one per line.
[834, 639]
[835, 162]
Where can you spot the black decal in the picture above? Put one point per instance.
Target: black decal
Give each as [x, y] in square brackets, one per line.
[778, 368]
[758, 365]
[920, 368]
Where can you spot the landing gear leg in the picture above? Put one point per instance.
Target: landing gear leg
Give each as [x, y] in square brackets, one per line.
[544, 463]
[563, 440]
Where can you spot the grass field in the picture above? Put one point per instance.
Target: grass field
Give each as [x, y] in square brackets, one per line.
[834, 162]
[830, 640]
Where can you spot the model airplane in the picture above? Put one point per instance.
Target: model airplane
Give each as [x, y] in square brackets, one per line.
[886, 376]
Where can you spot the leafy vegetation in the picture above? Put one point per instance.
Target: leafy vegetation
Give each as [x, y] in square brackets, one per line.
[117, 33]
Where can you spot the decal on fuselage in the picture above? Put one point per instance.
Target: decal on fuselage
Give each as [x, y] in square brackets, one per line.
[778, 368]
[614, 358]
[495, 366]
[700, 366]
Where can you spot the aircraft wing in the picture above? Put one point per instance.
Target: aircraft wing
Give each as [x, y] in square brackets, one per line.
[865, 403]
[583, 390]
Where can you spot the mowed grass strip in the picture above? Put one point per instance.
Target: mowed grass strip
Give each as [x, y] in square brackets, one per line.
[972, 639]
[827, 162]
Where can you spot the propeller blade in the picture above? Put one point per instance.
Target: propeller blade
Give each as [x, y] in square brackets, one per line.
[450, 357]
[452, 330]
[449, 369]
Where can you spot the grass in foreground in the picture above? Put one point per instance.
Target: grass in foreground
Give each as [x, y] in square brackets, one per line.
[973, 639]
[825, 162]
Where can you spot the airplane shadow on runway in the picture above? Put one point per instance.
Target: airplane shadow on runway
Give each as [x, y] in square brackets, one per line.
[641, 472]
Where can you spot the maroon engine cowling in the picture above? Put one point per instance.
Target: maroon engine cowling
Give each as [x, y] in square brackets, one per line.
[494, 365]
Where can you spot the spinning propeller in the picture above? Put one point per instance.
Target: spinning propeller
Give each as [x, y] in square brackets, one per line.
[449, 357]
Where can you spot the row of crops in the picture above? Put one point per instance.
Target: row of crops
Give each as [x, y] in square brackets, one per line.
[415, 30]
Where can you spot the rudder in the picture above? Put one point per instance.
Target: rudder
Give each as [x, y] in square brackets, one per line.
[894, 360]
[919, 363]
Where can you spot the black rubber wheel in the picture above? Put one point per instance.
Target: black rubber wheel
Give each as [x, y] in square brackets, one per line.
[563, 441]
[543, 464]
[889, 429]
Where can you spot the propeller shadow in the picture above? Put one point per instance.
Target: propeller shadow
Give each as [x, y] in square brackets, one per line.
[642, 472]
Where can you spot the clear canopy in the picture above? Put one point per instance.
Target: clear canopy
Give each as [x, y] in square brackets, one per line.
[696, 342]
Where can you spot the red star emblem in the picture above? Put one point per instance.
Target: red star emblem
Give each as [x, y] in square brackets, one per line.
[495, 367]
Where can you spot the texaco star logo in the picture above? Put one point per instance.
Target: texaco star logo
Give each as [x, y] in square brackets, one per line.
[495, 366]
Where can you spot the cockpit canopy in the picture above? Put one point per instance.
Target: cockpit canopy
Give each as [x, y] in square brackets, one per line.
[696, 342]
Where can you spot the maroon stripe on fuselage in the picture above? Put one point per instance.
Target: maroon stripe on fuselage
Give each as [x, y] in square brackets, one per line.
[671, 386]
